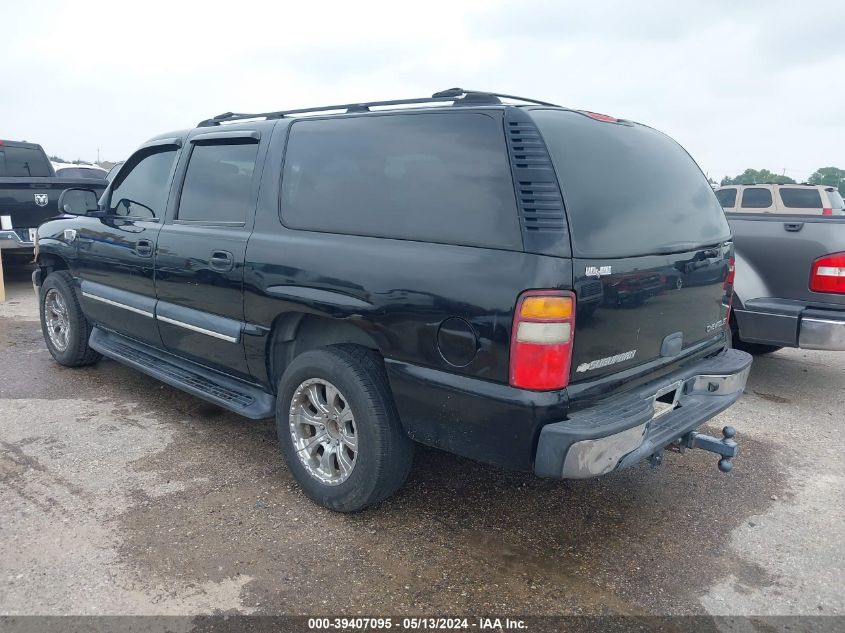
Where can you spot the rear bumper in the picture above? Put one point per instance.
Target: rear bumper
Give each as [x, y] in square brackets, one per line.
[11, 240]
[788, 323]
[822, 330]
[622, 431]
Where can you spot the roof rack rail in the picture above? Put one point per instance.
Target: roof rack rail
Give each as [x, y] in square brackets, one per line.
[458, 97]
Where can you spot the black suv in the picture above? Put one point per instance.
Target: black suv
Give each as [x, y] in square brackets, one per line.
[493, 276]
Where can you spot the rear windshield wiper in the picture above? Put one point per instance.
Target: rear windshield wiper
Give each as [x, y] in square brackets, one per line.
[678, 247]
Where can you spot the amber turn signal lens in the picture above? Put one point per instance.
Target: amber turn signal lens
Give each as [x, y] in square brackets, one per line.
[546, 308]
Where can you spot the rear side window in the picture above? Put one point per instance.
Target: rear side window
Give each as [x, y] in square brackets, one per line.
[836, 201]
[218, 183]
[23, 162]
[628, 189]
[795, 198]
[756, 198]
[435, 177]
[727, 198]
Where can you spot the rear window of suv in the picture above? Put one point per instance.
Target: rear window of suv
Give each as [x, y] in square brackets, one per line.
[434, 177]
[628, 189]
[800, 198]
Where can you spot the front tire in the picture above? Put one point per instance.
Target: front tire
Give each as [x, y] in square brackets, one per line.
[339, 428]
[65, 327]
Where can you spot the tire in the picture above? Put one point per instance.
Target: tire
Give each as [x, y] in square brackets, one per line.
[57, 291]
[383, 452]
[755, 349]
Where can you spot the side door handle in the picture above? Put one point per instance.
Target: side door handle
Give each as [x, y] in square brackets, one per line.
[793, 226]
[144, 248]
[222, 260]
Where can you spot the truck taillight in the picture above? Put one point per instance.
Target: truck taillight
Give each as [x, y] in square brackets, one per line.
[827, 211]
[541, 342]
[828, 274]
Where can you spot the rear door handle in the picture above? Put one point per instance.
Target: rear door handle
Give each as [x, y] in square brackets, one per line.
[793, 226]
[144, 248]
[222, 260]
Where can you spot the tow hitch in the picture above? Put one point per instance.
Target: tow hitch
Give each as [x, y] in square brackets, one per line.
[726, 447]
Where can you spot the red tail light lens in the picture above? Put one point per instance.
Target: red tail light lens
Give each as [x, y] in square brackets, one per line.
[729, 278]
[827, 211]
[729, 289]
[828, 274]
[541, 342]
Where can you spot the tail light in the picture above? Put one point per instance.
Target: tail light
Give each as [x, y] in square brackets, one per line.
[827, 211]
[828, 274]
[729, 278]
[541, 342]
[729, 289]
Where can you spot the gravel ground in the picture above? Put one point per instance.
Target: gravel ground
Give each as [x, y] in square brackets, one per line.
[120, 495]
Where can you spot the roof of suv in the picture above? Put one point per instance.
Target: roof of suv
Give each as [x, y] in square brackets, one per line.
[452, 96]
[439, 101]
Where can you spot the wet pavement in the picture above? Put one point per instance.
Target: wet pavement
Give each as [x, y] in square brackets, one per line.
[120, 495]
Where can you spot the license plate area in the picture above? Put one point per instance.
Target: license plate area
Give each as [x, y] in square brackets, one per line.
[666, 399]
[32, 234]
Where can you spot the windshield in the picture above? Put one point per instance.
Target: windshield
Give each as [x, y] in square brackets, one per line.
[628, 189]
[23, 162]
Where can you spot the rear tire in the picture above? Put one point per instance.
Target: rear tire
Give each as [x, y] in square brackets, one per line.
[66, 329]
[330, 401]
[755, 349]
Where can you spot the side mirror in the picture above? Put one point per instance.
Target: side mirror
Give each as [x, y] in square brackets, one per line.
[77, 201]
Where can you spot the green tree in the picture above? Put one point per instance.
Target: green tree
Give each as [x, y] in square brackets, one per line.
[830, 176]
[757, 176]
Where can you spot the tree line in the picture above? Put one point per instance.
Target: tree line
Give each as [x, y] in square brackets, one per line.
[828, 176]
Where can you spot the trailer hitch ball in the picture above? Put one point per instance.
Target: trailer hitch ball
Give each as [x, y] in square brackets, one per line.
[726, 447]
[726, 464]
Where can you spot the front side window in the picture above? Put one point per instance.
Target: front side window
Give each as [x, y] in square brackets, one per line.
[141, 188]
[432, 177]
[756, 198]
[218, 183]
[800, 198]
[727, 198]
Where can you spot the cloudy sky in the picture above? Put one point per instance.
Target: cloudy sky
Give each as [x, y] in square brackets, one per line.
[739, 84]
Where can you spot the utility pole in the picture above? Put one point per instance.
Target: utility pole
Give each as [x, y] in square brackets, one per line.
[98, 155]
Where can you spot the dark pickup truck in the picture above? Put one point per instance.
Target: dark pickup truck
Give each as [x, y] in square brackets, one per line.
[29, 191]
[458, 274]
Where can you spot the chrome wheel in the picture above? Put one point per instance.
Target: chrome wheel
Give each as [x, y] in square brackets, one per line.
[323, 431]
[56, 318]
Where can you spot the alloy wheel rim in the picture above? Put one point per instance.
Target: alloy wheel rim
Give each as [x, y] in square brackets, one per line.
[56, 318]
[323, 430]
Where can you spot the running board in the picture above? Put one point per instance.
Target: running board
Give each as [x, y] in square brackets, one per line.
[230, 393]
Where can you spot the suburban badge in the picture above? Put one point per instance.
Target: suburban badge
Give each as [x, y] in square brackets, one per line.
[597, 271]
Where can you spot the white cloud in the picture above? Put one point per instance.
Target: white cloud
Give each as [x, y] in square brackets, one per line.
[739, 84]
